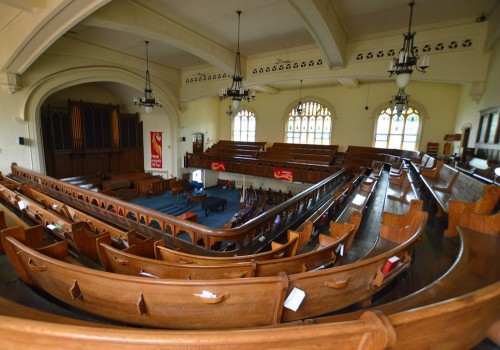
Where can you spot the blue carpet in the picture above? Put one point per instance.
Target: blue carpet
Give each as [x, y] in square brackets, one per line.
[177, 205]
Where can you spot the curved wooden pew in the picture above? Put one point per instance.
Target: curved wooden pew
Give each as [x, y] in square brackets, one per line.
[338, 287]
[277, 251]
[121, 261]
[142, 301]
[81, 230]
[400, 192]
[456, 192]
[371, 331]
[321, 256]
[175, 304]
[474, 268]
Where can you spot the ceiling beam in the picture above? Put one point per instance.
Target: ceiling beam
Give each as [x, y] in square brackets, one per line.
[264, 88]
[134, 18]
[348, 82]
[493, 33]
[25, 5]
[33, 32]
[324, 25]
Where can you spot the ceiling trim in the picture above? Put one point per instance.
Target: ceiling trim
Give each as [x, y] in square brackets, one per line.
[323, 23]
[134, 18]
[34, 32]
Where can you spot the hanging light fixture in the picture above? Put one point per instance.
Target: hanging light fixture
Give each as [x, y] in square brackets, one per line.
[299, 106]
[229, 111]
[400, 101]
[148, 101]
[403, 65]
[237, 92]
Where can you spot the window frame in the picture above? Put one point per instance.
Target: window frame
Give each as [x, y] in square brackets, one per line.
[391, 131]
[304, 128]
[244, 113]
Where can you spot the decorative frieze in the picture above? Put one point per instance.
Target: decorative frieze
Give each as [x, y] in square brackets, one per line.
[287, 66]
[10, 82]
[431, 47]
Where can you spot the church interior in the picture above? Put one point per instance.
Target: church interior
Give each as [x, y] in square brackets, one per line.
[273, 174]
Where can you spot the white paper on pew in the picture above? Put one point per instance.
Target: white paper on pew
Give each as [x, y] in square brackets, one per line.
[340, 250]
[51, 227]
[206, 294]
[22, 205]
[294, 300]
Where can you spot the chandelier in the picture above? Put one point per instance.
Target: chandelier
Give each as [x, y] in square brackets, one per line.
[148, 101]
[403, 65]
[237, 92]
[400, 101]
[299, 106]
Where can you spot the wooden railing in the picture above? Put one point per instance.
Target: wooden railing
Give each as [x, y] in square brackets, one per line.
[302, 171]
[245, 236]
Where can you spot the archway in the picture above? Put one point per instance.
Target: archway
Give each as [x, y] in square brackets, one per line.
[48, 85]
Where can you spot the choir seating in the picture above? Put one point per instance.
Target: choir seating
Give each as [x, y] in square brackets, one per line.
[401, 190]
[422, 161]
[140, 300]
[469, 276]
[205, 304]
[124, 262]
[456, 192]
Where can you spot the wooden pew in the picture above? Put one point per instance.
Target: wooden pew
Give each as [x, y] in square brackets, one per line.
[371, 332]
[124, 262]
[332, 289]
[327, 290]
[205, 304]
[468, 317]
[456, 192]
[277, 251]
[471, 271]
[400, 192]
[422, 162]
[80, 229]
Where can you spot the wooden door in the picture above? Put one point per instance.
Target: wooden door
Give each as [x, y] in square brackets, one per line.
[198, 142]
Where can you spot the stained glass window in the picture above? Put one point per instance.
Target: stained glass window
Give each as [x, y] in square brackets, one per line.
[312, 126]
[244, 126]
[400, 132]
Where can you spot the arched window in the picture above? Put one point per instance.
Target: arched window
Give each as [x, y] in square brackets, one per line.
[400, 132]
[244, 126]
[312, 126]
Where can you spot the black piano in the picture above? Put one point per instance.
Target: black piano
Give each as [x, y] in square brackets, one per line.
[213, 204]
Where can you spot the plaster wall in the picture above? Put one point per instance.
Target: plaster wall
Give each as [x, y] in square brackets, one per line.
[468, 109]
[352, 124]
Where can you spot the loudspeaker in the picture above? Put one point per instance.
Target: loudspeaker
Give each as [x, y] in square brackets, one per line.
[21, 140]
[183, 138]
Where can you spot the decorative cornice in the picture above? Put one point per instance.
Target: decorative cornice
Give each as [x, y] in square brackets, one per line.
[428, 48]
[10, 82]
[292, 65]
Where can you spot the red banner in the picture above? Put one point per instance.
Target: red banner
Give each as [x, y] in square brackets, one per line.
[218, 166]
[283, 174]
[156, 150]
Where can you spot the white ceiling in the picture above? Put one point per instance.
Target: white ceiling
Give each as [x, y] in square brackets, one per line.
[273, 25]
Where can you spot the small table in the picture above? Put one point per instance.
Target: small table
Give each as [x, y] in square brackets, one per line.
[190, 216]
[212, 203]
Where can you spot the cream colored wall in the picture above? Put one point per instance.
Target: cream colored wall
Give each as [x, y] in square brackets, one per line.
[352, 124]
[468, 109]
[199, 116]
[11, 128]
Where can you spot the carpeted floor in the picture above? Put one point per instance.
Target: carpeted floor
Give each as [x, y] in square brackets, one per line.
[178, 204]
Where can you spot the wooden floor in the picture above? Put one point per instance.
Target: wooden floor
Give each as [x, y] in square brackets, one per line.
[433, 256]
